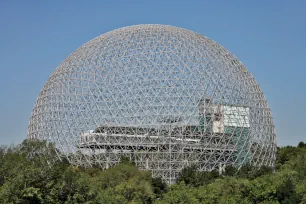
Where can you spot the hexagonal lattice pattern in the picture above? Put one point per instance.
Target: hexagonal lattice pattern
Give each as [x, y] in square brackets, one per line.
[164, 96]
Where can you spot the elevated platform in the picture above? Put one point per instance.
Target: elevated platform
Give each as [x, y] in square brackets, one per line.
[152, 143]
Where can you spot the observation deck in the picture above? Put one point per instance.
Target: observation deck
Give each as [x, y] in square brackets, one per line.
[178, 140]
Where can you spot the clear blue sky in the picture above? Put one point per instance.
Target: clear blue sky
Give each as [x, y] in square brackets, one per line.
[267, 36]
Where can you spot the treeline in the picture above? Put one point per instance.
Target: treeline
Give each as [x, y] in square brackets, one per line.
[26, 177]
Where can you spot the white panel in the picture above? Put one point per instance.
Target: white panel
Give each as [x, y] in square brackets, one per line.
[236, 116]
[218, 127]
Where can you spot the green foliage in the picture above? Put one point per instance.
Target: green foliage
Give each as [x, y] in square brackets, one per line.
[230, 171]
[302, 145]
[26, 177]
[250, 172]
[190, 176]
[180, 193]
[159, 187]
[227, 190]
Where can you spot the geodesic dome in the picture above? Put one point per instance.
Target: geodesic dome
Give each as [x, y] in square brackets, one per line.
[164, 96]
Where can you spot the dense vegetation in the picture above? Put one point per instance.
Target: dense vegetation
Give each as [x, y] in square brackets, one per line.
[25, 177]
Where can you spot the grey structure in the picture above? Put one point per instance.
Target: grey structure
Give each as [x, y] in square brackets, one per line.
[164, 96]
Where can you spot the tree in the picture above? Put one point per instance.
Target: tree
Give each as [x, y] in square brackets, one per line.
[179, 193]
[301, 145]
[230, 170]
[286, 193]
[25, 178]
[188, 175]
[159, 187]
[250, 172]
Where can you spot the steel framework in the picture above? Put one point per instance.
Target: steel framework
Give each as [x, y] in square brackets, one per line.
[164, 96]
